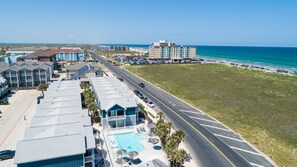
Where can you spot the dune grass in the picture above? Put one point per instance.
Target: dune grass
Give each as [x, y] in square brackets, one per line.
[261, 107]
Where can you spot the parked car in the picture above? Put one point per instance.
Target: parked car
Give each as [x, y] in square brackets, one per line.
[141, 85]
[121, 79]
[6, 154]
[136, 92]
[145, 99]
[150, 104]
[140, 96]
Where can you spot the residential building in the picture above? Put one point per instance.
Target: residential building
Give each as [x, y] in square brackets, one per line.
[118, 106]
[119, 48]
[68, 54]
[61, 133]
[3, 87]
[41, 55]
[165, 50]
[27, 74]
[83, 70]
[12, 58]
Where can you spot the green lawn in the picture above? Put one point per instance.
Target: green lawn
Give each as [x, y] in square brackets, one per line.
[260, 106]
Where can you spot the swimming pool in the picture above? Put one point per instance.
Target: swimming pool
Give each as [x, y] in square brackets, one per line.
[129, 141]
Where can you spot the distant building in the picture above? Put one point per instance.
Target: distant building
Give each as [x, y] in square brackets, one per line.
[165, 50]
[41, 55]
[60, 133]
[3, 87]
[27, 74]
[11, 59]
[81, 70]
[69, 54]
[119, 48]
[118, 106]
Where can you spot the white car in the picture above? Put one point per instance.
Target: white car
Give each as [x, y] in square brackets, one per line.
[150, 104]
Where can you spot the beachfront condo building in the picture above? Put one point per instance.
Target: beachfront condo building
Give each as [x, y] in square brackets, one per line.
[23, 74]
[165, 50]
[118, 106]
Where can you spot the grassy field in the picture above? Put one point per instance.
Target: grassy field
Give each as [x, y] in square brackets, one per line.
[262, 107]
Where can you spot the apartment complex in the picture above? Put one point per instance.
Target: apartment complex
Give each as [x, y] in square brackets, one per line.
[71, 54]
[27, 74]
[165, 50]
[60, 133]
[118, 106]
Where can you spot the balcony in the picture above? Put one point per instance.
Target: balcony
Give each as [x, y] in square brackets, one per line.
[119, 117]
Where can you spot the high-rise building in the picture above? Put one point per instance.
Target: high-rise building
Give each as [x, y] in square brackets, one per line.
[165, 50]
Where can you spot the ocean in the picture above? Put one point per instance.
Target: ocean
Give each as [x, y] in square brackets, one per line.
[270, 57]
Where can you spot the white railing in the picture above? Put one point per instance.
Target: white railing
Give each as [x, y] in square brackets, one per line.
[116, 117]
[89, 159]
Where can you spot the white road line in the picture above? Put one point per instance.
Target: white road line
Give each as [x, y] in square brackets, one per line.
[231, 138]
[215, 127]
[256, 164]
[194, 112]
[204, 119]
[247, 151]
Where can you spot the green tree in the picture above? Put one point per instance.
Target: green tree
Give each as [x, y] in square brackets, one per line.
[42, 88]
[93, 110]
[178, 136]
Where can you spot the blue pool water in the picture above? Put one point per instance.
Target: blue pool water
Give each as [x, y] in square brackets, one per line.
[130, 141]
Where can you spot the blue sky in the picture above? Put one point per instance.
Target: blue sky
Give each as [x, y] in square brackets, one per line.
[203, 22]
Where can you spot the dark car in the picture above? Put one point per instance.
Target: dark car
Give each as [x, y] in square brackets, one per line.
[121, 79]
[140, 96]
[145, 99]
[136, 92]
[6, 154]
[141, 85]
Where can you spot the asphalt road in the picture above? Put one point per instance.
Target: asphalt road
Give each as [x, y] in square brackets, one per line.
[206, 148]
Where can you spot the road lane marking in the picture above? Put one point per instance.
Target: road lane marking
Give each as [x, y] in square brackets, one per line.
[194, 112]
[247, 151]
[231, 138]
[257, 165]
[211, 143]
[205, 119]
[215, 127]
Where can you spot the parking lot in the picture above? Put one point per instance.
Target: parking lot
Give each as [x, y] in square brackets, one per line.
[15, 118]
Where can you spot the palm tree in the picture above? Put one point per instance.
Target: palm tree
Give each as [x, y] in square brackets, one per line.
[93, 110]
[179, 157]
[160, 115]
[178, 136]
[163, 131]
[42, 88]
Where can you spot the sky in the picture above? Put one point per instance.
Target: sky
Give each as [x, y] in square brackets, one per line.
[201, 22]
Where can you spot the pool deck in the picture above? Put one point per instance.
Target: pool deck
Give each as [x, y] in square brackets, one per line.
[148, 154]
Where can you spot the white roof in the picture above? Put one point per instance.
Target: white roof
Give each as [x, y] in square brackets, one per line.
[61, 119]
[61, 98]
[59, 104]
[53, 130]
[49, 148]
[59, 111]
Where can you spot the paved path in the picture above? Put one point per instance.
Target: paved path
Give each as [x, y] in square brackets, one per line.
[12, 123]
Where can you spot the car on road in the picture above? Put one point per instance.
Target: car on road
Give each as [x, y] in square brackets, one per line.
[150, 104]
[6, 154]
[141, 85]
[136, 92]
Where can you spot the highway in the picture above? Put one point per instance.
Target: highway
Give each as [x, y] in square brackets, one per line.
[204, 135]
